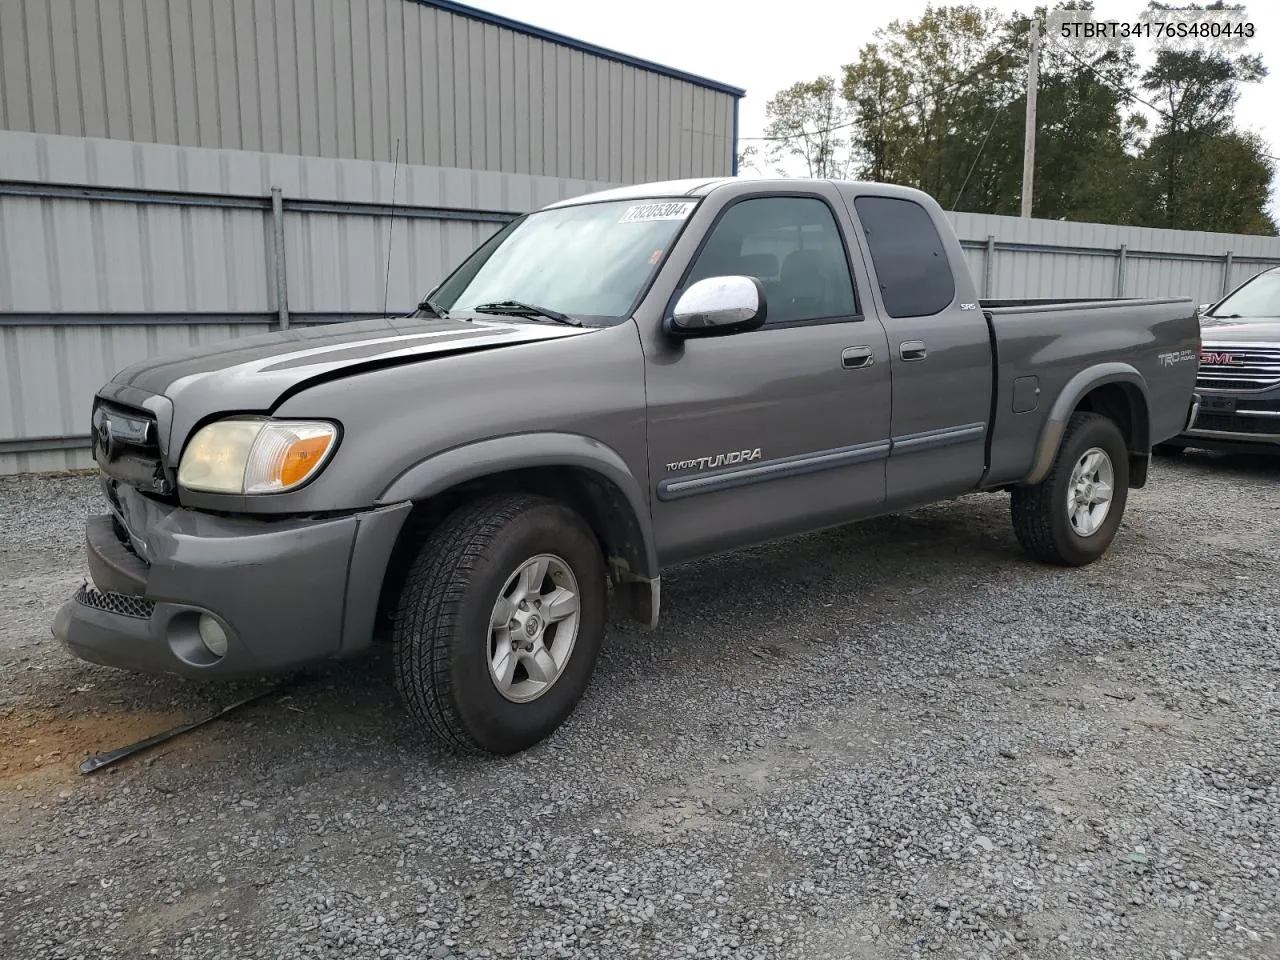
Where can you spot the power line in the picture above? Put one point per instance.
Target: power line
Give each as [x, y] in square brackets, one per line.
[1123, 91]
[982, 146]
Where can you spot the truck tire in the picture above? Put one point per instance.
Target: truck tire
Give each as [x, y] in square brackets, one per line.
[1071, 517]
[499, 623]
[1168, 449]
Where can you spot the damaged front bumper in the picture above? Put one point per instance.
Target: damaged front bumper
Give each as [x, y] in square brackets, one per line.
[284, 592]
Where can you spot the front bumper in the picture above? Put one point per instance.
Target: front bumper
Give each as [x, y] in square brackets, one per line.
[1224, 420]
[286, 593]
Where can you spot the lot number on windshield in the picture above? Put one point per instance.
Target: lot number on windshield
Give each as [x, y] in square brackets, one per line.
[674, 210]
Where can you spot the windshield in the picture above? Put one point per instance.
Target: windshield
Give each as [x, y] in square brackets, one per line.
[1258, 299]
[590, 261]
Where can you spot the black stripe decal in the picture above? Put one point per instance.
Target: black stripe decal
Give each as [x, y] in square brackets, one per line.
[718, 480]
[932, 439]
[678, 488]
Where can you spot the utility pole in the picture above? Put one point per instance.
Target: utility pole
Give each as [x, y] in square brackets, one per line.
[1029, 145]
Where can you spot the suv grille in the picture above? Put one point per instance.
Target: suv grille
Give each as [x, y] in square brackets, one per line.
[1227, 367]
[137, 607]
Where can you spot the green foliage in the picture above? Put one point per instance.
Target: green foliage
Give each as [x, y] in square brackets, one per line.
[939, 103]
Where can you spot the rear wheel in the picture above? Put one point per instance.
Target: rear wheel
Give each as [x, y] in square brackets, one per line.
[499, 624]
[1168, 449]
[1071, 517]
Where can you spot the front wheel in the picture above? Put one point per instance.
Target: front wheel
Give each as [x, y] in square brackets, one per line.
[1071, 517]
[499, 623]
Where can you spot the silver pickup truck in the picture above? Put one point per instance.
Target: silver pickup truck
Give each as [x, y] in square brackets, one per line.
[607, 387]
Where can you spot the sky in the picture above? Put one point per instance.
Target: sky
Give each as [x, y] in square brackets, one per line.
[802, 39]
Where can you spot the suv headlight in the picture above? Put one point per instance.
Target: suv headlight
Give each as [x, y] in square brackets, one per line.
[244, 455]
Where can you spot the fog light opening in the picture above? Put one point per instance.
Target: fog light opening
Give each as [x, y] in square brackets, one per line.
[213, 636]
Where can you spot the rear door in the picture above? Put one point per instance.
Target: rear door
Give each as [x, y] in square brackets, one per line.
[939, 347]
[782, 429]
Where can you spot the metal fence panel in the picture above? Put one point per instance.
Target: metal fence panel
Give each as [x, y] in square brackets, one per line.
[52, 371]
[1012, 257]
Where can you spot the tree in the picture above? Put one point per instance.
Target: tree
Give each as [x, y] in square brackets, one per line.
[1224, 185]
[939, 102]
[940, 105]
[920, 90]
[808, 120]
[878, 94]
[748, 157]
[1194, 90]
[1087, 138]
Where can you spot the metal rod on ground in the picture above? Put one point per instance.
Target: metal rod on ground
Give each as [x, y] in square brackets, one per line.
[282, 283]
[98, 761]
[1226, 273]
[1029, 145]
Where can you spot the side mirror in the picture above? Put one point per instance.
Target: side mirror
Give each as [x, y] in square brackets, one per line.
[718, 306]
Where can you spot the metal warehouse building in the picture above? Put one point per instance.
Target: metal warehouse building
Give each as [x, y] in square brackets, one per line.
[181, 171]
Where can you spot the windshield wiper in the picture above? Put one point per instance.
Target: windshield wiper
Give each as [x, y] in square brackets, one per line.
[430, 306]
[518, 308]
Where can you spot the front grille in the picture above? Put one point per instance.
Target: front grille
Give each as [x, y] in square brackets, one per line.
[1234, 423]
[1225, 366]
[126, 446]
[139, 608]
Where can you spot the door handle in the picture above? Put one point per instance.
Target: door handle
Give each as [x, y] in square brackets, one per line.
[913, 350]
[855, 358]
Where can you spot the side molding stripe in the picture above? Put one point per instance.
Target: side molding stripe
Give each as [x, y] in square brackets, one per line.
[677, 488]
[932, 439]
[713, 482]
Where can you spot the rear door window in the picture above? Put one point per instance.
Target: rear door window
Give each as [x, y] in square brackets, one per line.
[911, 264]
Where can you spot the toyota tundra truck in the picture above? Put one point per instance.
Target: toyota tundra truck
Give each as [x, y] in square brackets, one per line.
[606, 388]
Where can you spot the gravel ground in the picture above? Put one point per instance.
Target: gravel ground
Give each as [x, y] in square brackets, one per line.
[898, 739]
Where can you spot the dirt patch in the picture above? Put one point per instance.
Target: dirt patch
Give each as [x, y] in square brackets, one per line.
[46, 745]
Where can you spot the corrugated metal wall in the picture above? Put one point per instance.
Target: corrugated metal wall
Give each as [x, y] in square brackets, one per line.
[1011, 257]
[348, 79]
[147, 248]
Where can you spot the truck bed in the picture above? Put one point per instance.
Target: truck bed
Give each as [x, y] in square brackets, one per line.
[1041, 344]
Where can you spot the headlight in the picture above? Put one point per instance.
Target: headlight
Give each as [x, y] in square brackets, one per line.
[244, 455]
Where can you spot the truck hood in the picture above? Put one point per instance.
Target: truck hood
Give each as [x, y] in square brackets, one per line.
[1222, 330]
[256, 374]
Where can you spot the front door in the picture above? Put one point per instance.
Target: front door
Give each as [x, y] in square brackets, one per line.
[782, 429]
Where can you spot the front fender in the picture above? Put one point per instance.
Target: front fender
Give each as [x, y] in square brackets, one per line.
[472, 461]
[1069, 398]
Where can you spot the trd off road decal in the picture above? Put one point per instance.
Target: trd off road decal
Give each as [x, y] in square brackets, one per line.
[719, 460]
[1178, 356]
